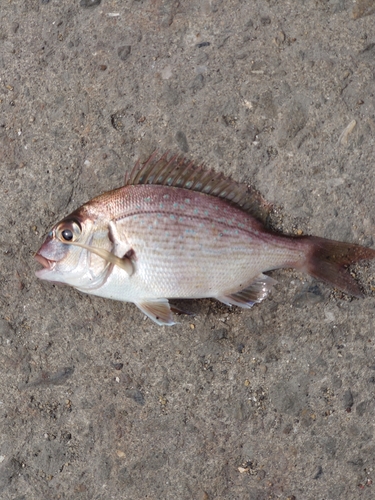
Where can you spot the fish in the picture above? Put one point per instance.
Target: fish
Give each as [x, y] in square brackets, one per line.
[177, 230]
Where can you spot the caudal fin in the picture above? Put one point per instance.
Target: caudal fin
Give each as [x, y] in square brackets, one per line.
[327, 260]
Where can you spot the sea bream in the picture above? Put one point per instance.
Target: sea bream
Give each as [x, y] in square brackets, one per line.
[177, 230]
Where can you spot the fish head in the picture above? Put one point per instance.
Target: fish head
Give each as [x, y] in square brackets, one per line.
[64, 254]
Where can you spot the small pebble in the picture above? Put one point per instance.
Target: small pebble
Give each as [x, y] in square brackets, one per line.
[261, 474]
[89, 3]
[348, 399]
[124, 52]
[197, 84]
[318, 473]
[136, 395]
[240, 348]
[182, 141]
[118, 366]
[6, 331]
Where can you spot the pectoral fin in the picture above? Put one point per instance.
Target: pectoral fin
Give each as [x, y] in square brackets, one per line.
[158, 310]
[253, 293]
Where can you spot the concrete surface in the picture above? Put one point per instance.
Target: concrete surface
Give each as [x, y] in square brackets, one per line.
[97, 402]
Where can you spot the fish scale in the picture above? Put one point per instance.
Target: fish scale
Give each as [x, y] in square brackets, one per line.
[176, 230]
[188, 269]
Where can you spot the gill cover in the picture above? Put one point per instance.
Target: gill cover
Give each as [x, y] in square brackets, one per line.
[69, 231]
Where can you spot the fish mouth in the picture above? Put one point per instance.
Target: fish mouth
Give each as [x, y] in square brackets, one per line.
[46, 263]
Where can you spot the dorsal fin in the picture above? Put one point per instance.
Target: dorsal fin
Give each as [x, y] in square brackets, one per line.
[179, 172]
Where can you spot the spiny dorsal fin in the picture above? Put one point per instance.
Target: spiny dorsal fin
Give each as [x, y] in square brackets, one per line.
[177, 171]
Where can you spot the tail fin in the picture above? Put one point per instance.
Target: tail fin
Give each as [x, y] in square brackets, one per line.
[327, 260]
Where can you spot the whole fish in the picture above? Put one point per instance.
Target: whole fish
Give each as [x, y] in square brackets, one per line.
[176, 230]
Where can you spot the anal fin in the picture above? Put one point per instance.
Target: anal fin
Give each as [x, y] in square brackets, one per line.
[247, 297]
[158, 310]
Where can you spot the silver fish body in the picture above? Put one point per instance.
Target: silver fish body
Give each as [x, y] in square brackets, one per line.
[176, 231]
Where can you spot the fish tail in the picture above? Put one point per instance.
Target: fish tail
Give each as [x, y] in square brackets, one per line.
[328, 260]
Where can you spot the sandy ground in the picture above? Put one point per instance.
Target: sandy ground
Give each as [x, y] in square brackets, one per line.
[97, 402]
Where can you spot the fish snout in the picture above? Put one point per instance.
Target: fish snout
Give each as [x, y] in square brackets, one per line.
[48, 255]
[46, 263]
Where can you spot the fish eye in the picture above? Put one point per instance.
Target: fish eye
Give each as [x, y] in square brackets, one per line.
[67, 234]
[68, 231]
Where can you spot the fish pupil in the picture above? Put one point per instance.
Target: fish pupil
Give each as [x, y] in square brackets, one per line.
[67, 235]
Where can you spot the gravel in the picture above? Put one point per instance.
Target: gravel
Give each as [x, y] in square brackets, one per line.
[97, 402]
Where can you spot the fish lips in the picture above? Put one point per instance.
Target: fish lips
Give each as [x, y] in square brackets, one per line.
[48, 255]
[48, 266]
